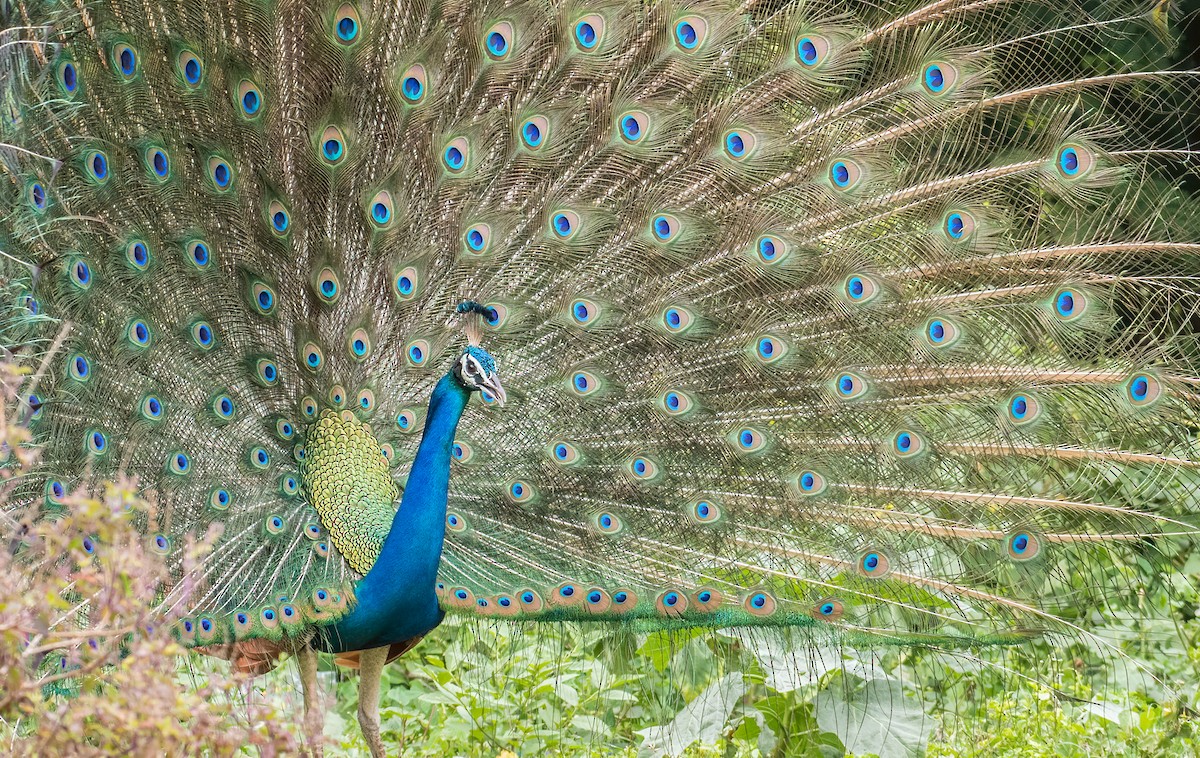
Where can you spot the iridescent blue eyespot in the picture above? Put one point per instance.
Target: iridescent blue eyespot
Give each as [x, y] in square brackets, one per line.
[562, 224]
[126, 60]
[1023, 546]
[840, 174]
[829, 609]
[249, 99]
[412, 88]
[159, 163]
[849, 386]
[1069, 304]
[332, 149]
[1019, 406]
[1068, 161]
[97, 443]
[735, 144]
[279, 220]
[416, 354]
[704, 512]
[259, 458]
[222, 175]
[81, 274]
[454, 157]
[934, 80]
[810, 482]
[608, 523]
[1022, 409]
[1143, 389]
[347, 29]
[531, 132]
[180, 463]
[769, 349]
[631, 128]
[152, 408]
[690, 32]
[97, 166]
[68, 76]
[223, 406]
[37, 196]
[199, 252]
[191, 68]
[139, 333]
[381, 213]
[588, 31]
[811, 50]
[79, 368]
[583, 311]
[499, 40]
[527, 597]
[1075, 161]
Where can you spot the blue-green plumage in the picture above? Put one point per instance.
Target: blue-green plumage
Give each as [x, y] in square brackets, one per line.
[871, 319]
[396, 600]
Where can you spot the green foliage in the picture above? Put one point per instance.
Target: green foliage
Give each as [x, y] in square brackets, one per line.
[473, 689]
[88, 666]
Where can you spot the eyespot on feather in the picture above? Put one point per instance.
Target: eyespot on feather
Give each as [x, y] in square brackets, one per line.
[1023, 545]
[671, 603]
[381, 210]
[959, 226]
[332, 145]
[808, 483]
[414, 84]
[849, 386]
[633, 126]
[535, 132]
[498, 41]
[190, 68]
[588, 32]
[1022, 409]
[347, 26]
[812, 50]
[759, 603]
[907, 444]
[530, 600]
[941, 332]
[828, 609]
[939, 78]
[477, 239]
[564, 224]
[456, 154]
[690, 33]
[706, 600]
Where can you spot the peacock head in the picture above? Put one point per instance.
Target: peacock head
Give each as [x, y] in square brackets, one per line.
[476, 370]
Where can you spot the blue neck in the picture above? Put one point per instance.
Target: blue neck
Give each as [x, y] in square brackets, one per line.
[396, 599]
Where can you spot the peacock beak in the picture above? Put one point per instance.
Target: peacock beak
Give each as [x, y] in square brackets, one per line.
[491, 385]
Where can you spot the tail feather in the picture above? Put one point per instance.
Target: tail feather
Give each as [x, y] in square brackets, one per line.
[874, 321]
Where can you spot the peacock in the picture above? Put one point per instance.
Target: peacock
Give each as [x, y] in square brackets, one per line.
[860, 319]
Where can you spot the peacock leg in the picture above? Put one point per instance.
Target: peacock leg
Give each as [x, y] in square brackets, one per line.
[314, 711]
[370, 671]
